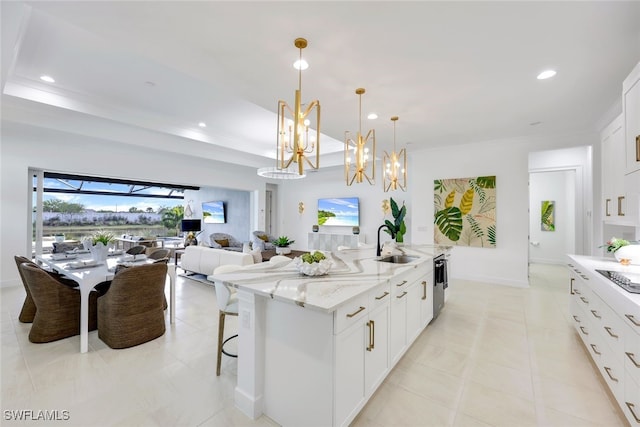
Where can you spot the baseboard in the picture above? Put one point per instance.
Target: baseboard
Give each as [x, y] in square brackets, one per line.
[493, 280]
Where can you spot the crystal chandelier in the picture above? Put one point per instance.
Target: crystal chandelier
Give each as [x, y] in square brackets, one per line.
[395, 166]
[362, 165]
[296, 136]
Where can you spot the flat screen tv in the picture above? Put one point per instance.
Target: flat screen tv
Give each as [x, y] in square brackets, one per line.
[339, 211]
[213, 212]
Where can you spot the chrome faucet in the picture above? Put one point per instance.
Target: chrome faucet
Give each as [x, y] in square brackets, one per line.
[393, 236]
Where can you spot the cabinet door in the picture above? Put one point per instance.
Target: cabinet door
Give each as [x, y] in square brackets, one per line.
[376, 358]
[349, 374]
[426, 299]
[398, 324]
[631, 112]
[613, 165]
[414, 303]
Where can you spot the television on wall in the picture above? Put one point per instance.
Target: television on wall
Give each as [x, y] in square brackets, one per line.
[213, 212]
[339, 211]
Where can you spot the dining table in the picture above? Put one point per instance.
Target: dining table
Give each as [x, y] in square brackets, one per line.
[88, 273]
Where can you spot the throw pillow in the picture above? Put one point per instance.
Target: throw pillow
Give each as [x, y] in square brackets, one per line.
[257, 255]
[223, 242]
[264, 238]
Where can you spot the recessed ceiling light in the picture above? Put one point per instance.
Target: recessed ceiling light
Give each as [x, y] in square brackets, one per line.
[202, 124]
[546, 74]
[372, 116]
[47, 79]
[301, 64]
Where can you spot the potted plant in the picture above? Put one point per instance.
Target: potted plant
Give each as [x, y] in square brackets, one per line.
[99, 243]
[397, 228]
[623, 250]
[282, 245]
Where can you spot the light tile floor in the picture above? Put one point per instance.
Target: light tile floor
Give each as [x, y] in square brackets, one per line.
[496, 356]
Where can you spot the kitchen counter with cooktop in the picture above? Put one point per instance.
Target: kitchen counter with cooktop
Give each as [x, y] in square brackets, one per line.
[312, 350]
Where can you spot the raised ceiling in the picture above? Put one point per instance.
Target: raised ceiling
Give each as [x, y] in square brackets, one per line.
[455, 72]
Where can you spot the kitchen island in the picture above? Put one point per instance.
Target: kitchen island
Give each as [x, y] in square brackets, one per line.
[312, 350]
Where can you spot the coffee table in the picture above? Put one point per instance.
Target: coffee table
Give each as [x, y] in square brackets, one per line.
[266, 255]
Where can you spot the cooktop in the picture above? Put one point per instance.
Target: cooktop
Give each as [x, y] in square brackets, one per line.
[630, 282]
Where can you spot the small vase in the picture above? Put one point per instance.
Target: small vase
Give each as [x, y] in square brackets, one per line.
[630, 252]
[283, 250]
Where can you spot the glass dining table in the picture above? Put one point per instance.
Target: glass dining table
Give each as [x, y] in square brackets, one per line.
[88, 274]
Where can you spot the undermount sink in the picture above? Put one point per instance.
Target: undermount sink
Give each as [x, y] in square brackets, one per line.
[398, 259]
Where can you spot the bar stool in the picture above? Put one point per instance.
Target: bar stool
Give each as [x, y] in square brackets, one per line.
[228, 305]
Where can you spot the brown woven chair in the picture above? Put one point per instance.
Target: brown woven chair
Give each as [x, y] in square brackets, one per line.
[160, 254]
[131, 312]
[136, 250]
[28, 311]
[57, 313]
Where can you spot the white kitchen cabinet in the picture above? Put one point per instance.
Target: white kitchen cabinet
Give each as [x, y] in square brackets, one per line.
[613, 167]
[631, 113]
[362, 352]
[608, 322]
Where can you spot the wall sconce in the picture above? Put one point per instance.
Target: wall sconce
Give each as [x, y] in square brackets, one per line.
[300, 208]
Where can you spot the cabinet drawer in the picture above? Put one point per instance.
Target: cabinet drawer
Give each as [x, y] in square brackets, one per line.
[379, 296]
[612, 330]
[350, 313]
[613, 374]
[632, 354]
[631, 403]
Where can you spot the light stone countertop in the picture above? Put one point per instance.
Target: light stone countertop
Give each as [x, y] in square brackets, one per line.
[354, 272]
[596, 263]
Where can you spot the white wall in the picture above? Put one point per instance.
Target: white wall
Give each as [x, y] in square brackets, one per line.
[327, 183]
[551, 247]
[26, 146]
[237, 207]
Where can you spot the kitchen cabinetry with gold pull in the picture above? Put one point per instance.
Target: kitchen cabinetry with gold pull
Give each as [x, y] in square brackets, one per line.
[362, 353]
[607, 319]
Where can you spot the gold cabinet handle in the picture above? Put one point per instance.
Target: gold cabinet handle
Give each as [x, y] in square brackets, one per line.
[355, 312]
[620, 199]
[371, 325]
[606, 368]
[584, 300]
[576, 318]
[575, 291]
[631, 406]
[595, 314]
[631, 357]
[583, 330]
[606, 207]
[382, 296]
[424, 289]
[571, 286]
[401, 284]
[595, 350]
[608, 329]
[633, 319]
[401, 295]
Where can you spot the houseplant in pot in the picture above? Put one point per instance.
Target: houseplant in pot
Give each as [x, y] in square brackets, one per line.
[623, 250]
[282, 245]
[397, 228]
[99, 244]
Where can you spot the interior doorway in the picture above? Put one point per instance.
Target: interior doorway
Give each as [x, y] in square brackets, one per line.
[552, 213]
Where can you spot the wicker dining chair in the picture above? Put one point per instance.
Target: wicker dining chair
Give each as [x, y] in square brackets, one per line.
[136, 250]
[28, 311]
[160, 254]
[57, 313]
[131, 311]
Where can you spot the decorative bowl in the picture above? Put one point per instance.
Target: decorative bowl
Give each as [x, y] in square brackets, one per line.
[314, 269]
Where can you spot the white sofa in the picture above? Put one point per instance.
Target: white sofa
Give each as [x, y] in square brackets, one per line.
[203, 260]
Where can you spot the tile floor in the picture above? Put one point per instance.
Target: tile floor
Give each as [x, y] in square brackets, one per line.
[496, 356]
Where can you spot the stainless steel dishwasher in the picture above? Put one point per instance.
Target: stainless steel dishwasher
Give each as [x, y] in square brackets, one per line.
[440, 283]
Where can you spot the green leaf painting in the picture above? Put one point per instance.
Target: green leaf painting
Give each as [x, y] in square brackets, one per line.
[547, 216]
[465, 211]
